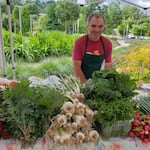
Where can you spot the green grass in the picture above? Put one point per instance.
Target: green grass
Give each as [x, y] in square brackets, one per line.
[56, 65]
[120, 51]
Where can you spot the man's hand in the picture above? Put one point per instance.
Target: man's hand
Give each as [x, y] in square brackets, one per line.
[79, 96]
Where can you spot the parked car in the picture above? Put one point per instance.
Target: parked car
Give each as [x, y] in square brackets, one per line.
[131, 36]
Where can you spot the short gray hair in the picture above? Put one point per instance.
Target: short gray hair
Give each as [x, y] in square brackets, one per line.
[95, 14]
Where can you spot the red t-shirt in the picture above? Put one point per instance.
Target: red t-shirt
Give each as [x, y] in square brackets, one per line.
[80, 43]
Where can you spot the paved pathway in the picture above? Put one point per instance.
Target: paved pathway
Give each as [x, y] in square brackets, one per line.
[122, 43]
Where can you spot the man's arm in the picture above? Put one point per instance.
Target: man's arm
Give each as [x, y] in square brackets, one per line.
[108, 65]
[77, 72]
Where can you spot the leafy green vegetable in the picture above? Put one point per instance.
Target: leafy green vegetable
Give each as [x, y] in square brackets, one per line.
[110, 93]
[28, 110]
[109, 85]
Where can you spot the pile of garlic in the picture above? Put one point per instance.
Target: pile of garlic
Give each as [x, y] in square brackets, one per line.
[73, 126]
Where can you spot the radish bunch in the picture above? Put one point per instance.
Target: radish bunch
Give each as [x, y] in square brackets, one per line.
[140, 127]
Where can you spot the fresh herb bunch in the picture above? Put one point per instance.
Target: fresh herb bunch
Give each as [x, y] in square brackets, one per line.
[111, 94]
[109, 113]
[109, 85]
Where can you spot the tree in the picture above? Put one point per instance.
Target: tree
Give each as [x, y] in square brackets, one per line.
[114, 16]
[134, 19]
[125, 27]
[67, 13]
[25, 19]
[136, 30]
[32, 8]
[17, 2]
[5, 21]
[50, 21]
[82, 24]
[15, 19]
[141, 30]
[129, 11]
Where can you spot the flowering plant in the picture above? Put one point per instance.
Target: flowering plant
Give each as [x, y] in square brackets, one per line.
[140, 127]
[139, 69]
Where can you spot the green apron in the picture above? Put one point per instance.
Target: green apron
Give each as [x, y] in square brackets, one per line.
[91, 63]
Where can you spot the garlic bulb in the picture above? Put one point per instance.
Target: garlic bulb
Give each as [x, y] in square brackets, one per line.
[79, 109]
[80, 120]
[68, 107]
[65, 139]
[80, 137]
[62, 120]
[57, 139]
[94, 136]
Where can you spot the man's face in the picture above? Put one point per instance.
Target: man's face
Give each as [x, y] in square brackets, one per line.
[95, 28]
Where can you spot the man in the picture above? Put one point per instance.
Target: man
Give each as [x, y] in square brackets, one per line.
[91, 50]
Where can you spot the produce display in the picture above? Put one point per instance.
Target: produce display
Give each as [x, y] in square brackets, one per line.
[71, 113]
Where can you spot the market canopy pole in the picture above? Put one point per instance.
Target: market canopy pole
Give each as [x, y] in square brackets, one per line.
[2, 54]
[11, 38]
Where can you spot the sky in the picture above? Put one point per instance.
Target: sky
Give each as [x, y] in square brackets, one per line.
[142, 4]
[139, 3]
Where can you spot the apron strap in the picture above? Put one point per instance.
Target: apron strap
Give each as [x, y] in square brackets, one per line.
[86, 44]
[104, 50]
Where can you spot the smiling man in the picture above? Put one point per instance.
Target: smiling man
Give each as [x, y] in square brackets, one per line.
[92, 50]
